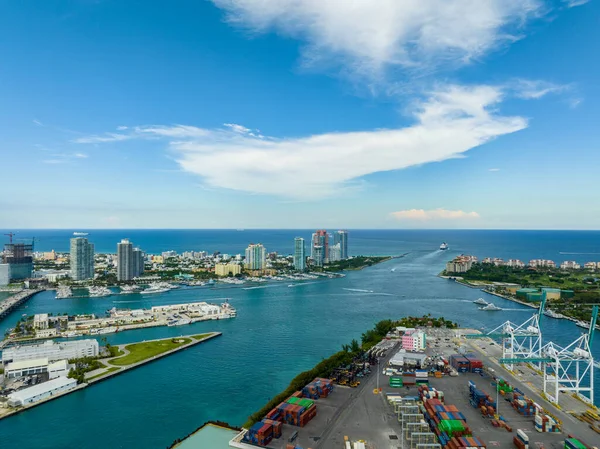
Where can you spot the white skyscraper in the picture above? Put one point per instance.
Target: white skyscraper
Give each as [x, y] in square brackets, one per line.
[299, 254]
[82, 259]
[125, 262]
[335, 253]
[255, 257]
[341, 237]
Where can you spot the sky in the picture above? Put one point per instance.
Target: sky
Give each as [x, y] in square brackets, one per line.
[299, 114]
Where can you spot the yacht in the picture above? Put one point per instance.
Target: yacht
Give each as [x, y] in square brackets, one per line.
[481, 301]
[155, 288]
[552, 314]
[179, 322]
[80, 234]
[228, 311]
[99, 292]
[444, 246]
[583, 324]
[129, 289]
[490, 308]
[64, 292]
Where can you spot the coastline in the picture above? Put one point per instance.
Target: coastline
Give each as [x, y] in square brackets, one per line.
[118, 371]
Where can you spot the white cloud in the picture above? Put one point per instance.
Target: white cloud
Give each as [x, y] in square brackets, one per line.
[493, 169]
[122, 128]
[535, 89]
[80, 155]
[435, 214]
[109, 137]
[37, 122]
[368, 36]
[448, 123]
[573, 3]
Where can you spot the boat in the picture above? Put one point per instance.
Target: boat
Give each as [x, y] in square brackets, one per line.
[155, 288]
[179, 322]
[552, 314]
[444, 246]
[125, 289]
[490, 308]
[481, 301]
[228, 311]
[64, 292]
[70, 334]
[80, 234]
[99, 292]
[583, 324]
[392, 270]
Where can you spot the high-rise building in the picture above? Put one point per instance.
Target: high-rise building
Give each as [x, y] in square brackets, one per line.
[341, 237]
[20, 258]
[318, 255]
[125, 261]
[335, 253]
[299, 254]
[4, 274]
[320, 238]
[82, 259]
[138, 262]
[255, 257]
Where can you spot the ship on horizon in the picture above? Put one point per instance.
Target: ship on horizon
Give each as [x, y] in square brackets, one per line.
[80, 234]
[444, 246]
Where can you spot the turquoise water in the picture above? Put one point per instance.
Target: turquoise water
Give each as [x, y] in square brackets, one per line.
[279, 332]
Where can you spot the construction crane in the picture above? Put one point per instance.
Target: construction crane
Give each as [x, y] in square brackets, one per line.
[10, 236]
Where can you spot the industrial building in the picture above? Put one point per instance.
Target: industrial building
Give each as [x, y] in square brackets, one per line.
[41, 391]
[36, 366]
[226, 269]
[52, 350]
[404, 357]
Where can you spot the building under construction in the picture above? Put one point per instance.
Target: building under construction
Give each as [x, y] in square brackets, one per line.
[19, 257]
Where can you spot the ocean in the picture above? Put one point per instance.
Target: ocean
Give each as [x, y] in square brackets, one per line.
[279, 332]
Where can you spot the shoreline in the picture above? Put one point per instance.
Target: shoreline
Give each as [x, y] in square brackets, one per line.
[118, 371]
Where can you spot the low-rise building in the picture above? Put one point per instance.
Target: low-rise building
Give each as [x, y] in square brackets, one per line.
[226, 269]
[515, 263]
[542, 263]
[414, 341]
[40, 321]
[52, 350]
[58, 369]
[26, 368]
[551, 293]
[41, 391]
[591, 265]
[46, 333]
[460, 264]
[570, 265]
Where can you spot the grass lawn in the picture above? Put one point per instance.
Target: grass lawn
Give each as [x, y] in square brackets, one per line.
[148, 349]
[109, 370]
[200, 337]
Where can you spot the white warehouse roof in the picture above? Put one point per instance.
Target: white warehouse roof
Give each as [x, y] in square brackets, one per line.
[25, 394]
[25, 364]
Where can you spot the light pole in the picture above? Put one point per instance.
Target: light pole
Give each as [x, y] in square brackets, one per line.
[378, 368]
[497, 398]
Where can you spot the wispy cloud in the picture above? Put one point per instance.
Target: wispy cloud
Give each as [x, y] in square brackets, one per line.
[37, 122]
[80, 155]
[573, 3]
[448, 122]
[109, 137]
[122, 128]
[493, 169]
[54, 161]
[63, 158]
[367, 39]
[535, 89]
[435, 214]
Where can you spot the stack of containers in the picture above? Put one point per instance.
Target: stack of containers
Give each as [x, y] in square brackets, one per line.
[396, 382]
[318, 388]
[277, 427]
[521, 441]
[295, 414]
[427, 393]
[445, 421]
[421, 377]
[306, 403]
[409, 378]
[260, 434]
[465, 442]
[545, 423]
[574, 443]
[479, 398]
[504, 387]
[460, 363]
[475, 364]
[523, 405]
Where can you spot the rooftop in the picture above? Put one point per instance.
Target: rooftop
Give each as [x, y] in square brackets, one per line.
[42, 388]
[208, 436]
[24, 364]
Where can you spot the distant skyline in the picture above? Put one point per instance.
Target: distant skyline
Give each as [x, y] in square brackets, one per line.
[300, 114]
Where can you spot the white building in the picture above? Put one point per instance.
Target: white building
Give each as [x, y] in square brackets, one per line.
[194, 307]
[52, 351]
[45, 333]
[40, 321]
[41, 391]
[255, 257]
[82, 259]
[591, 265]
[542, 263]
[516, 263]
[26, 368]
[58, 369]
[335, 252]
[570, 265]
[4, 274]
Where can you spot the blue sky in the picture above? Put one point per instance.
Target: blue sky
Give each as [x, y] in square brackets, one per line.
[300, 114]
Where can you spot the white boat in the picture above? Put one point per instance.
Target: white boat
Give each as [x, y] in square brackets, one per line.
[481, 301]
[552, 314]
[155, 288]
[444, 246]
[80, 234]
[490, 308]
[228, 311]
[125, 289]
[180, 322]
[107, 330]
[64, 292]
[583, 324]
[70, 334]
[392, 270]
[99, 292]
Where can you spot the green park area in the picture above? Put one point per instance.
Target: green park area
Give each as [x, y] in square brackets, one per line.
[200, 337]
[138, 352]
[354, 263]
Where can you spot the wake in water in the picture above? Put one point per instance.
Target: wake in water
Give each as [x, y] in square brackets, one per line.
[301, 284]
[123, 302]
[580, 254]
[358, 290]
[257, 287]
